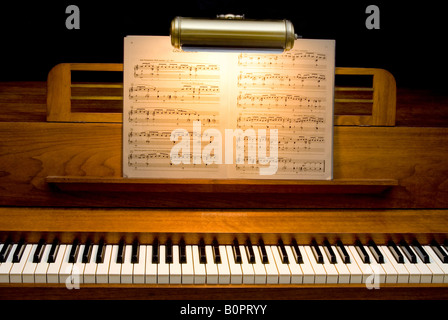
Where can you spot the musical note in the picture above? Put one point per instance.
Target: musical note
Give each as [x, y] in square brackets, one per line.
[171, 116]
[281, 81]
[289, 60]
[184, 94]
[154, 70]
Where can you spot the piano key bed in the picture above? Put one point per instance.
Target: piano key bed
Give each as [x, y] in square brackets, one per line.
[146, 269]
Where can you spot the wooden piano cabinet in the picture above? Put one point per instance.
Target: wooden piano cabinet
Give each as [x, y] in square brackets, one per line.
[191, 225]
[61, 176]
[224, 292]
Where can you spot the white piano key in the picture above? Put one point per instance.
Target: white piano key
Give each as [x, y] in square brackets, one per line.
[188, 267]
[355, 258]
[330, 269]
[6, 266]
[270, 267]
[102, 270]
[259, 268]
[54, 267]
[236, 274]
[376, 268]
[391, 272]
[297, 275]
[150, 268]
[425, 272]
[320, 275]
[127, 267]
[284, 273]
[437, 273]
[402, 271]
[138, 274]
[78, 266]
[163, 268]
[40, 274]
[223, 267]
[414, 272]
[199, 268]
[246, 267]
[114, 267]
[342, 268]
[211, 267]
[89, 275]
[272, 274]
[175, 267]
[30, 267]
[435, 260]
[15, 275]
[307, 268]
[65, 270]
[355, 272]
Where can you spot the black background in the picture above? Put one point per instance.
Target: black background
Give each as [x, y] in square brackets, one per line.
[410, 42]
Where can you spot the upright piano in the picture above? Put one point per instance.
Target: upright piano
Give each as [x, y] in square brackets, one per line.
[71, 227]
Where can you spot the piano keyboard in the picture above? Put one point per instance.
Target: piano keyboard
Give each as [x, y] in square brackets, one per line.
[238, 263]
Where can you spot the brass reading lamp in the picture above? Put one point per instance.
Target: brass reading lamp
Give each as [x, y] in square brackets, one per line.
[232, 32]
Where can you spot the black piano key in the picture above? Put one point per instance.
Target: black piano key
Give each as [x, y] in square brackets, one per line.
[4, 253]
[408, 251]
[296, 251]
[362, 252]
[216, 252]
[37, 257]
[236, 252]
[101, 251]
[53, 251]
[121, 251]
[420, 251]
[87, 252]
[316, 252]
[169, 251]
[250, 251]
[437, 248]
[182, 252]
[282, 251]
[155, 251]
[202, 254]
[375, 251]
[329, 251]
[74, 251]
[17, 255]
[263, 253]
[393, 248]
[135, 251]
[342, 251]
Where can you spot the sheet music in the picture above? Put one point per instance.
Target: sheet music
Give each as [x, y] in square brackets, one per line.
[221, 115]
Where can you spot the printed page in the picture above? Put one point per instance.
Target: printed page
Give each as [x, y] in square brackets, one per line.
[170, 98]
[287, 101]
[227, 115]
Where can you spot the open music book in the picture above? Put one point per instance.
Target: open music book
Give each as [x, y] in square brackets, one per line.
[220, 115]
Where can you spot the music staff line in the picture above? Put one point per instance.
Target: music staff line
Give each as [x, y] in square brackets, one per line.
[285, 165]
[258, 80]
[186, 93]
[301, 59]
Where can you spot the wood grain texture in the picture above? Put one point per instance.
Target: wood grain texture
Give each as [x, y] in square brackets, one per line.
[225, 225]
[60, 96]
[30, 152]
[340, 186]
[224, 292]
[26, 101]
